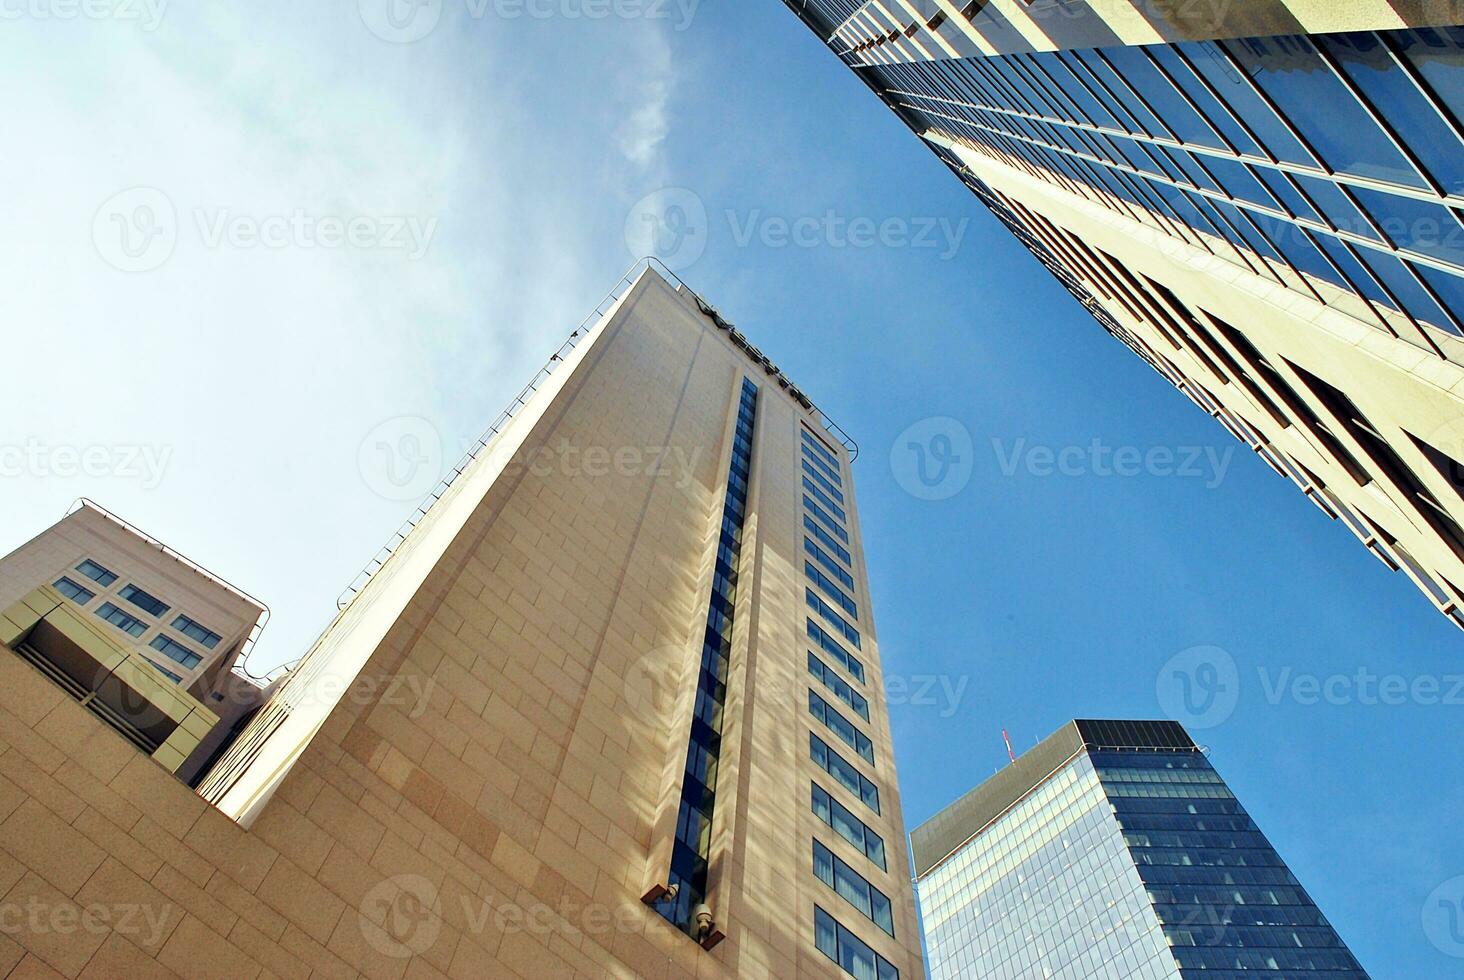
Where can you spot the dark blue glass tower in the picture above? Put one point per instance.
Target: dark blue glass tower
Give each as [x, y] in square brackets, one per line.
[1113, 849]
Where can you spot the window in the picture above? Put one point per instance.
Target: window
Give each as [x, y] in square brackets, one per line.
[827, 561]
[827, 540]
[839, 686]
[74, 592]
[119, 619]
[841, 726]
[826, 517]
[848, 826]
[848, 950]
[830, 646]
[816, 444]
[194, 631]
[824, 499]
[831, 472]
[832, 588]
[822, 481]
[843, 771]
[1367, 63]
[148, 603]
[166, 673]
[816, 603]
[835, 872]
[96, 573]
[176, 652]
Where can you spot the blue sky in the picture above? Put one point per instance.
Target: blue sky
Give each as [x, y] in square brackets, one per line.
[523, 148]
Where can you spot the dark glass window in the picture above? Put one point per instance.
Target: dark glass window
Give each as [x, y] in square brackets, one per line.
[176, 652]
[828, 562]
[849, 951]
[835, 872]
[194, 631]
[831, 646]
[165, 672]
[1212, 62]
[119, 619]
[843, 771]
[74, 592]
[817, 604]
[848, 826]
[1288, 70]
[840, 688]
[145, 601]
[831, 587]
[1367, 63]
[841, 727]
[96, 573]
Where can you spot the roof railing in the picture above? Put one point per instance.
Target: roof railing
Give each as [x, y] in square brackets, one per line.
[259, 623]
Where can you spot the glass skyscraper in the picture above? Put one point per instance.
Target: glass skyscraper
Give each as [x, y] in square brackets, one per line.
[1264, 201]
[1114, 849]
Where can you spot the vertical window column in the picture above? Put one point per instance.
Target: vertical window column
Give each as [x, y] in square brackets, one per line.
[690, 850]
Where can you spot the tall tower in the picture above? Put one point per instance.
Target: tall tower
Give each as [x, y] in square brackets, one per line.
[1264, 201]
[1114, 849]
[622, 672]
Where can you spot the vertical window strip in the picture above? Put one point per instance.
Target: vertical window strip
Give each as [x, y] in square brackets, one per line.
[690, 850]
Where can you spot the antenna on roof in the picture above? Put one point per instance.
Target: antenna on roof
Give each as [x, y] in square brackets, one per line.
[1008, 740]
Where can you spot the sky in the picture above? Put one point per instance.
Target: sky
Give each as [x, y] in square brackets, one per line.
[253, 244]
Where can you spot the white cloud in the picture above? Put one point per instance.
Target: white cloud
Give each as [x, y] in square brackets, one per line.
[646, 128]
[261, 369]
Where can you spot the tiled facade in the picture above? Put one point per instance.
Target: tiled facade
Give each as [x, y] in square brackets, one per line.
[1263, 201]
[477, 771]
[1114, 850]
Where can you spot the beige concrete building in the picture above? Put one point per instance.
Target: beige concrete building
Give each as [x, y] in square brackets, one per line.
[610, 708]
[138, 634]
[1265, 201]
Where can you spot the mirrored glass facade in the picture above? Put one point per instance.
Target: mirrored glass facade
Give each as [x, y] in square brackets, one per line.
[1126, 861]
[1332, 161]
[1248, 211]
